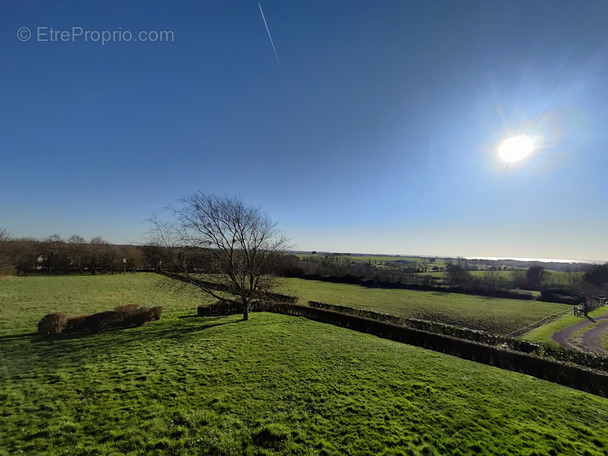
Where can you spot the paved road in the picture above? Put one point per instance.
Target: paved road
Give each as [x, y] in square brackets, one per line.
[590, 341]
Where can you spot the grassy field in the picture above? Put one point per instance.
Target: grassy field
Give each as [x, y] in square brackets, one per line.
[273, 385]
[31, 298]
[492, 314]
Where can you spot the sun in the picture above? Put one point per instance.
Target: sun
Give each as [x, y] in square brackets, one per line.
[515, 148]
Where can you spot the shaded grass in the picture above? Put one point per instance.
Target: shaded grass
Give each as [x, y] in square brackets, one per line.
[497, 315]
[273, 385]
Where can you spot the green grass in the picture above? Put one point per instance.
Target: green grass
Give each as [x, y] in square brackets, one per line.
[273, 385]
[551, 278]
[498, 315]
[32, 297]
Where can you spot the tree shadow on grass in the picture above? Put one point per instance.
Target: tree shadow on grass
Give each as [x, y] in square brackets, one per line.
[148, 332]
[18, 336]
[46, 354]
[215, 317]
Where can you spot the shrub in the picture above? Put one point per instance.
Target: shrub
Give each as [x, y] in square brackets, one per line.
[220, 308]
[76, 324]
[156, 312]
[133, 314]
[126, 309]
[136, 317]
[127, 315]
[52, 323]
[92, 323]
[100, 321]
[560, 295]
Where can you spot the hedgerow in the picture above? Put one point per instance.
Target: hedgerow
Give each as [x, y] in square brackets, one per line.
[589, 360]
[52, 323]
[513, 354]
[122, 316]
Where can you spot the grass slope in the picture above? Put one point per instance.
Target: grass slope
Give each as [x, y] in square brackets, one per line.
[497, 315]
[273, 385]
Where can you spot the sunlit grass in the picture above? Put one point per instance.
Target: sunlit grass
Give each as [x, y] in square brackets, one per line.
[26, 299]
[273, 385]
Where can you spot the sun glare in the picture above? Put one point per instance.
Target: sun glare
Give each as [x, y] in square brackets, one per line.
[515, 148]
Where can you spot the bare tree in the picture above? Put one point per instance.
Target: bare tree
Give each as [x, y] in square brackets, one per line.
[76, 250]
[4, 236]
[237, 244]
[52, 252]
[101, 254]
[130, 258]
[5, 267]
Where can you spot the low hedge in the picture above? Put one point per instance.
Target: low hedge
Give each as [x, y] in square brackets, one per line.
[224, 307]
[220, 308]
[430, 326]
[559, 298]
[52, 323]
[122, 316]
[585, 359]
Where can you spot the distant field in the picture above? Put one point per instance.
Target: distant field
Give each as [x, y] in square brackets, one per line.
[378, 260]
[275, 385]
[381, 258]
[491, 314]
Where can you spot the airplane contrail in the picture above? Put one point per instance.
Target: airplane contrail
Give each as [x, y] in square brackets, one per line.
[270, 36]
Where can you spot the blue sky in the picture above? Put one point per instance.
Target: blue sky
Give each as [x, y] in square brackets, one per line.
[378, 132]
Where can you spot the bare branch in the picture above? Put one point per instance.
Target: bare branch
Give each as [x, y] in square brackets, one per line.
[4, 236]
[220, 245]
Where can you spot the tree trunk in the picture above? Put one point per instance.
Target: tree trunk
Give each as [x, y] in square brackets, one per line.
[245, 311]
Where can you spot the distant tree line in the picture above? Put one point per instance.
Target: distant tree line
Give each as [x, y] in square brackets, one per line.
[569, 287]
[343, 266]
[56, 255]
